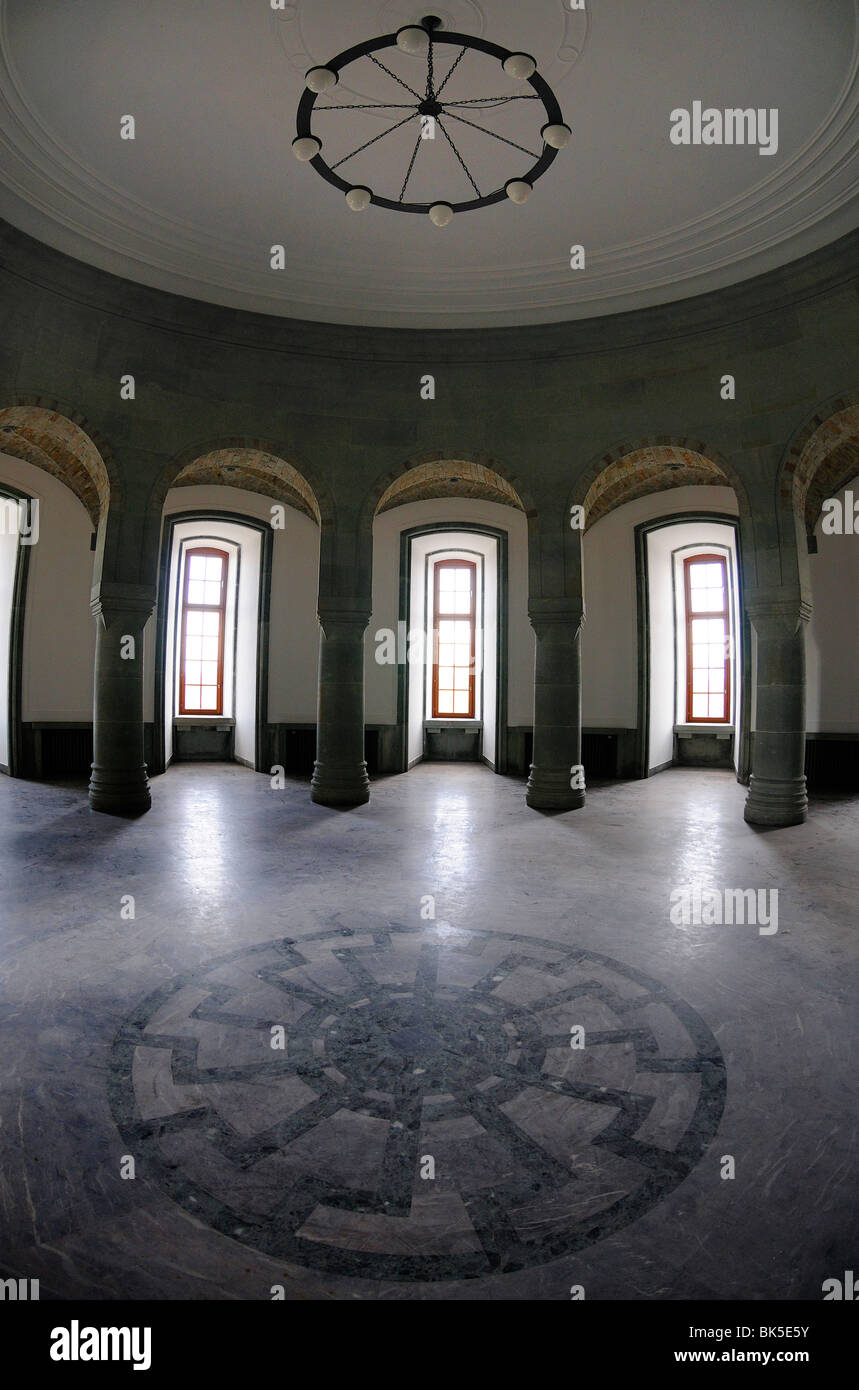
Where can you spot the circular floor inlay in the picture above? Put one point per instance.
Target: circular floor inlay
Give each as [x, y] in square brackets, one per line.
[403, 1046]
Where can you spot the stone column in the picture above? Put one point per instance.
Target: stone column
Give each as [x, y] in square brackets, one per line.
[119, 784]
[340, 772]
[557, 705]
[777, 785]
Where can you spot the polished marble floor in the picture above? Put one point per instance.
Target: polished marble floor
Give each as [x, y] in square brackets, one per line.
[437, 1047]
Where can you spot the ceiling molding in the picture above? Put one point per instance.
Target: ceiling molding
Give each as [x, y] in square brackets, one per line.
[50, 189]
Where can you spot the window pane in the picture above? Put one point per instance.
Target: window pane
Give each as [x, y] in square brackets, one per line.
[197, 566]
[213, 594]
[192, 697]
[700, 679]
[214, 567]
[446, 630]
[700, 654]
[446, 579]
[445, 654]
[194, 622]
[192, 672]
[717, 706]
[717, 681]
[209, 696]
[445, 702]
[460, 702]
[463, 632]
[210, 673]
[462, 678]
[700, 629]
[714, 575]
[717, 654]
[193, 648]
[699, 706]
[463, 579]
[196, 591]
[707, 601]
[463, 602]
[462, 654]
[445, 677]
[211, 624]
[716, 631]
[209, 648]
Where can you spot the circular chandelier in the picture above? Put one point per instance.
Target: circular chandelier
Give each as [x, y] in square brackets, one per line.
[421, 41]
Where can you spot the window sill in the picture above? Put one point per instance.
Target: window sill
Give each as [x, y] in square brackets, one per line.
[688, 730]
[452, 722]
[205, 721]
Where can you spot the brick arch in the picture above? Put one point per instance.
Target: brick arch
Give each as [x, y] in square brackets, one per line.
[443, 473]
[253, 464]
[254, 471]
[63, 444]
[636, 469]
[822, 456]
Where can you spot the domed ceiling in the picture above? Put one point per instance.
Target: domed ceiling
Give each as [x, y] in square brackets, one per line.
[195, 202]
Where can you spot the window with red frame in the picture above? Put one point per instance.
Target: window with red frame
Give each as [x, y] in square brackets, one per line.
[708, 646]
[204, 606]
[455, 612]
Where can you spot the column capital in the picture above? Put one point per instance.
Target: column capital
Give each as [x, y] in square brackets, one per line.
[777, 615]
[548, 614]
[109, 599]
[350, 614]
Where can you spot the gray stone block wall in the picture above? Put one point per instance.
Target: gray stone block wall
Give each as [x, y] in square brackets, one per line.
[547, 408]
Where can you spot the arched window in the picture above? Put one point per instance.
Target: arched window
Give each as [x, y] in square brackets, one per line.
[204, 601]
[708, 645]
[455, 611]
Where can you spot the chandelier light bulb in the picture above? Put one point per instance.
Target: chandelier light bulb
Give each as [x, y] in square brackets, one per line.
[440, 214]
[520, 66]
[518, 190]
[320, 79]
[558, 136]
[358, 198]
[413, 40]
[306, 147]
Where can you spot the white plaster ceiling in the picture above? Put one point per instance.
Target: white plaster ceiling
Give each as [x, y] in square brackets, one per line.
[210, 183]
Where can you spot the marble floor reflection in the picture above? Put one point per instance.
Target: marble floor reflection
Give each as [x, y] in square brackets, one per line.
[438, 1047]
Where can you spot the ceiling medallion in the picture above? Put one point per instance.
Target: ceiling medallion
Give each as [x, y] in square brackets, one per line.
[430, 109]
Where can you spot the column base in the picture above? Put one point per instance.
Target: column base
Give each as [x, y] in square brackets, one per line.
[551, 791]
[120, 794]
[339, 786]
[776, 802]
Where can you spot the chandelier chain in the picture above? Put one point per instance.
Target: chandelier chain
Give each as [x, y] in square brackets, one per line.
[459, 157]
[374, 59]
[483, 128]
[497, 101]
[411, 166]
[367, 143]
[367, 105]
[457, 60]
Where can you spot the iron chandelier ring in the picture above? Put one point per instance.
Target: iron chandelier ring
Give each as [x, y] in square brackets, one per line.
[467, 41]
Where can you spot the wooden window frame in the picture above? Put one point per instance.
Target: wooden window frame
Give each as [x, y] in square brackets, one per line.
[471, 618]
[220, 609]
[725, 614]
